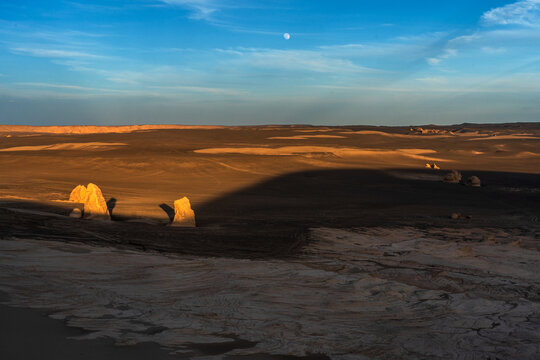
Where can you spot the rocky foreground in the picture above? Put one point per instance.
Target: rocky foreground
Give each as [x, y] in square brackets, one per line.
[362, 293]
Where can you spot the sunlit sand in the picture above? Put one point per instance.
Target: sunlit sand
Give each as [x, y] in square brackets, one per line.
[89, 146]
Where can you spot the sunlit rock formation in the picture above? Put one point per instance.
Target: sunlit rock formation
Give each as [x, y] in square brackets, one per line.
[452, 177]
[183, 214]
[92, 198]
[78, 194]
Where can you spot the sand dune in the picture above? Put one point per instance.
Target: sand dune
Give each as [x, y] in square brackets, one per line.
[372, 132]
[469, 152]
[88, 146]
[526, 154]
[341, 152]
[306, 137]
[506, 137]
[313, 130]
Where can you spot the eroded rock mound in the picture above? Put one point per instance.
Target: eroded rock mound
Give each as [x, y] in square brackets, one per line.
[183, 214]
[78, 194]
[422, 131]
[474, 181]
[452, 177]
[92, 198]
[455, 216]
[76, 213]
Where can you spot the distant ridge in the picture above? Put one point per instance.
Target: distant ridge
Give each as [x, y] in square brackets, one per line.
[94, 129]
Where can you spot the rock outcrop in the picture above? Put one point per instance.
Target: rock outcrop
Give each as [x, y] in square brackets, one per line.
[91, 197]
[183, 214]
[432, 166]
[453, 177]
[78, 194]
[76, 213]
[455, 216]
[422, 131]
[474, 181]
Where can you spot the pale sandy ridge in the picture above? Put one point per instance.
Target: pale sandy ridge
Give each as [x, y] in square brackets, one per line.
[507, 137]
[337, 151]
[93, 129]
[89, 146]
[306, 137]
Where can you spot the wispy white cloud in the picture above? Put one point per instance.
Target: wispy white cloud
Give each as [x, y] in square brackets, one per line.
[402, 50]
[55, 53]
[200, 89]
[499, 40]
[51, 43]
[493, 50]
[447, 53]
[58, 86]
[201, 9]
[213, 12]
[78, 91]
[319, 61]
[433, 80]
[96, 7]
[524, 12]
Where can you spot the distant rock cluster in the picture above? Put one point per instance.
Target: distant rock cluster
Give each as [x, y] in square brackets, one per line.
[422, 131]
[456, 216]
[432, 166]
[474, 181]
[92, 199]
[455, 177]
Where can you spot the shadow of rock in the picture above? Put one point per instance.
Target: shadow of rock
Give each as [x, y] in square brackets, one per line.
[111, 203]
[273, 218]
[169, 210]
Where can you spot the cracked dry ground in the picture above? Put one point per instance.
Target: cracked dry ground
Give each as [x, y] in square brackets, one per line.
[365, 293]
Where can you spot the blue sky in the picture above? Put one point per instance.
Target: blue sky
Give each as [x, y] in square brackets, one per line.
[227, 62]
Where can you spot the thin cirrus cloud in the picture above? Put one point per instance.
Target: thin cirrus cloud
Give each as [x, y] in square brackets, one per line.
[448, 53]
[298, 60]
[55, 53]
[525, 12]
[493, 50]
[157, 91]
[201, 9]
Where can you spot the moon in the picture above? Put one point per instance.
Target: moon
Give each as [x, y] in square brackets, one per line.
[286, 36]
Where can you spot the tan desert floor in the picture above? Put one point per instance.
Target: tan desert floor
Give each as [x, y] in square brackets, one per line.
[144, 168]
[338, 246]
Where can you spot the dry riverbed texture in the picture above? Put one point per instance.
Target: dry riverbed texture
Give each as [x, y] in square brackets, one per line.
[311, 242]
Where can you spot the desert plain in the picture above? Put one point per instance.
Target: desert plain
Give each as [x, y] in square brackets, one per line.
[311, 242]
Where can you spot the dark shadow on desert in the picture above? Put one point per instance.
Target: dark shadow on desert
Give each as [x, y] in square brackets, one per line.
[272, 218]
[168, 210]
[111, 203]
